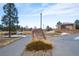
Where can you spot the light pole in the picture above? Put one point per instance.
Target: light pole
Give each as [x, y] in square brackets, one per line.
[41, 20]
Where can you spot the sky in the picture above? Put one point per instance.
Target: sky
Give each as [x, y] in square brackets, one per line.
[29, 13]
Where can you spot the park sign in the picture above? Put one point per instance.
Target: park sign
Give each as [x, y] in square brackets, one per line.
[38, 34]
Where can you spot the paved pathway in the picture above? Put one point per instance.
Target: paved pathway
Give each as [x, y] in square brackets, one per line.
[66, 46]
[16, 48]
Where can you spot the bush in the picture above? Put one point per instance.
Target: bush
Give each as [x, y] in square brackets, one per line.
[38, 45]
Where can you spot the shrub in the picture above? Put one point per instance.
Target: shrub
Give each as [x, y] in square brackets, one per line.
[38, 45]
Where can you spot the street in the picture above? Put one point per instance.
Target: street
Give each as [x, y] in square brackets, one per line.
[66, 45]
[16, 48]
[63, 46]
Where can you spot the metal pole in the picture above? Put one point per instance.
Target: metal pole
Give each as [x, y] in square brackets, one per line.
[40, 20]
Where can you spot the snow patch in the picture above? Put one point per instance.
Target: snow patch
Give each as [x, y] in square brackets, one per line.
[64, 33]
[76, 38]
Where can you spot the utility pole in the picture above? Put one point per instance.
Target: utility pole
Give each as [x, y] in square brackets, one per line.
[41, 20]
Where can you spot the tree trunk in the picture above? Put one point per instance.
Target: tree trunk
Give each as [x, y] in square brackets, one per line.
[9, 28]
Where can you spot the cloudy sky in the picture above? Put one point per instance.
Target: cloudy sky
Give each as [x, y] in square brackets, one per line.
[29, 13]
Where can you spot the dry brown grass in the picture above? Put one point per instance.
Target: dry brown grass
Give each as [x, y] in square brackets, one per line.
[53, 33]
[3, 32]
[36, 45]
[27, 32]
[6, 41]
[24, 32]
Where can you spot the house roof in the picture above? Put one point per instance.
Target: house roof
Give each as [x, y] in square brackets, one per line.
[67, 24]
